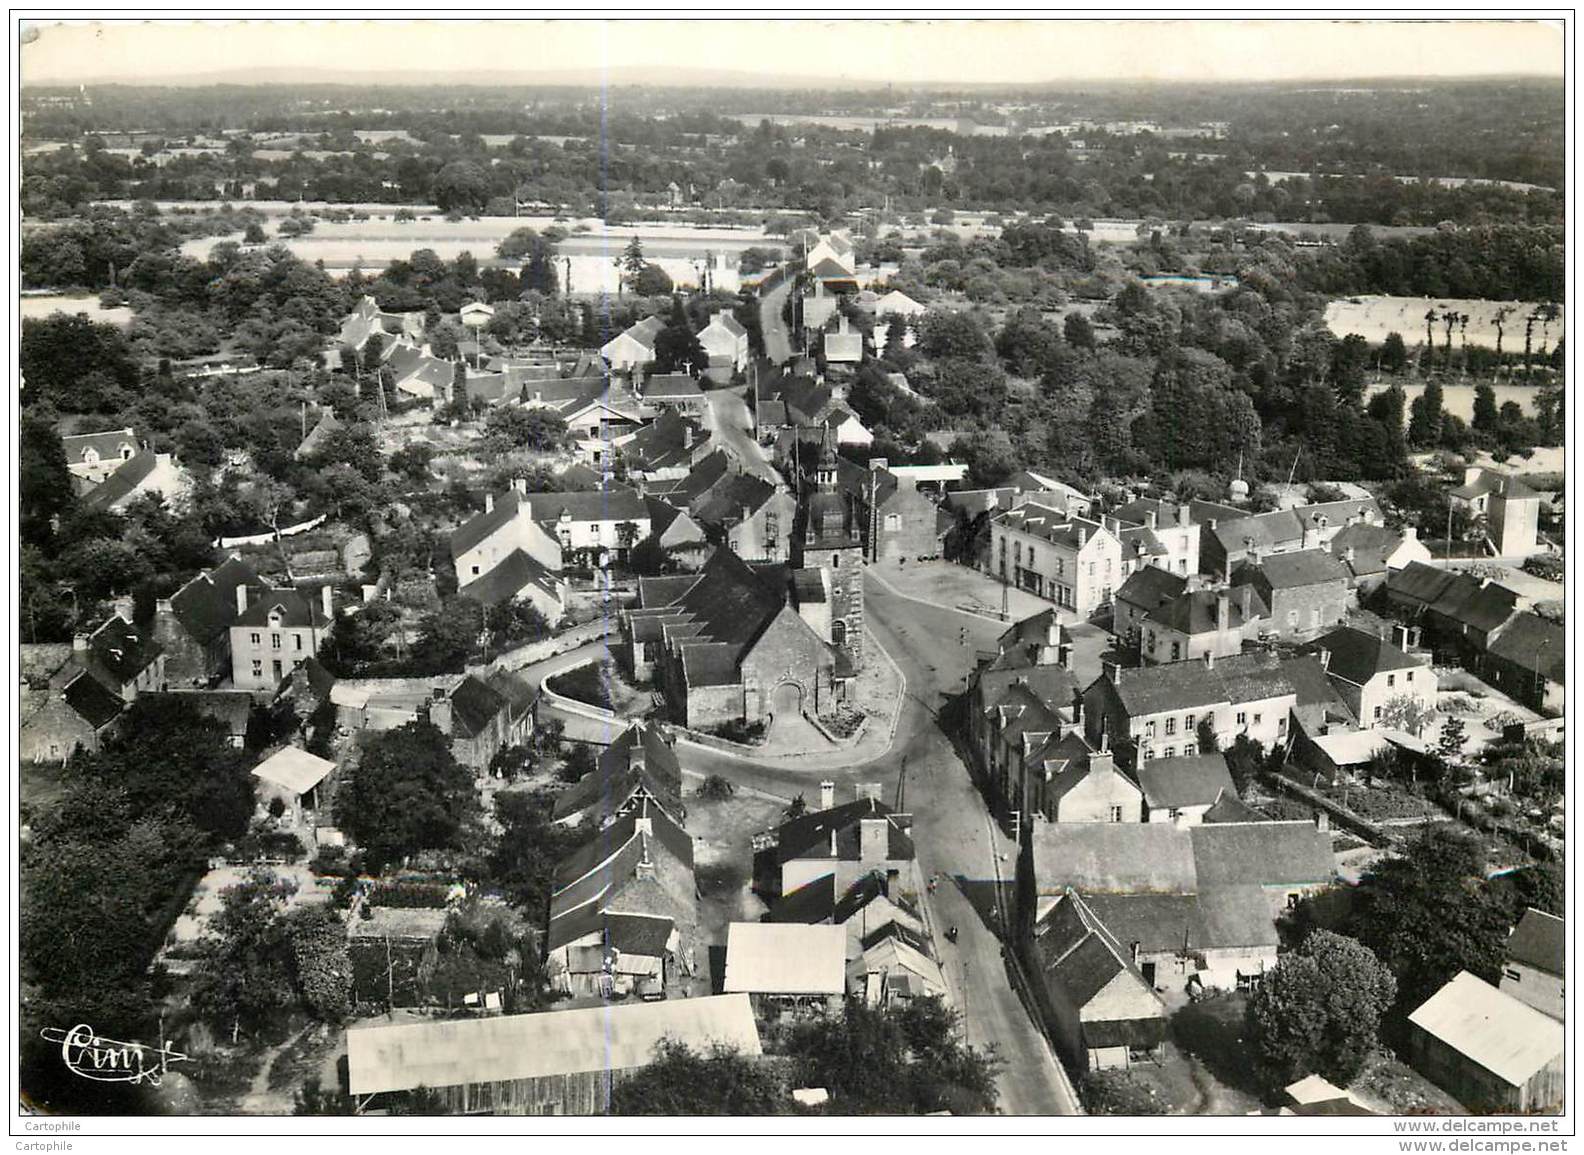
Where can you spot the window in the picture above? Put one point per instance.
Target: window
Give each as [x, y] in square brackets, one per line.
[298, 638]
[1242, 718]
[893, 521]
[255, 639]
[1174, 813]
[274, 641]
[1257, 719]
[1116, 814]
[1171, 725]
[1017, 552]
[835, 561]
[1293, 900]
[1391, 680]
[1281, 726]
[1169, 752]
[1059, 565]
[1410, 677]
[475, 571]
[1148, 754]
[1149, 728]
[1031, 557]
[1091, 569]
[1108, 567]
[1149, 641]
[1176, 651]
[1512, 974]
[1188, 723]
[258, 667]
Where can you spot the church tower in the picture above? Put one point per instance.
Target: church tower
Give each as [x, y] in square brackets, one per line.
[830, 540]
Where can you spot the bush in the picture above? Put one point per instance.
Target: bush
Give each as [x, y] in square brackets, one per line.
[739, 730]
[716, 788]
[1119, 1093]
[587, 683]
[270, 844]
[1547, 566]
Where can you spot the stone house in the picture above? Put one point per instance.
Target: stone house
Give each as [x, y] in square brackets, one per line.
[1200, 622]
[519, 577]
[639, 770]
[275, 631]
[725, 339]
[1230, 535]
[667, 448]
[70, 711]
[901, 519]
[1074, 562]
[1184, 788]
[749, 515]
[866, 908]
[1368, 672]
[93, 457]
[847, 842]
[1304, 591]
[475, 718]
[507, 525]
[1372, 553]
[1158, 533]
[1527, 660]
[633, 348]
[1146, 590]
[829, 538]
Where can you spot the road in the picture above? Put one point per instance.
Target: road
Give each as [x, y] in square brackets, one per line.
[728, 419]
[952, 832]
[777, 341]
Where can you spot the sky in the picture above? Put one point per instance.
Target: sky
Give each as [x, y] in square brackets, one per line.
[967, 52]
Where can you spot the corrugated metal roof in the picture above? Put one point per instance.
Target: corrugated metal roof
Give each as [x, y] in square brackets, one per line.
[785, 958]
[293, 769]
[1508, 1038]
[603, 1038]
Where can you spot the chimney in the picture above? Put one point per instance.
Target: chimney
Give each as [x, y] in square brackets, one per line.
[1471, 474]
[489, 502]
[1105, 742]
[1400, 637]
[1325, 658]
[1185, 515]
[1413, 638]
[1102, 760]
[873, 840]
[1349, 555]
[1209, 659]
[878, 463]
[1246, 602]
[1410, 533]
[1212, 524]
[687, 435]
[1180, 821]
[79, 643]
[827, 794]
[1223, 614]
[833, 841]
[1133, 947]
[327, 600]
[1083, 536]
[123, 607]
[1323, 821]
[1053, 630]
[520, 485]
[1149, 518]
[1111, 671]
[1077, 707]
[241, 598]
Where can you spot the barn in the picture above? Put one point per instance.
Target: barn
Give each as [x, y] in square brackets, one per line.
[1492, 1052]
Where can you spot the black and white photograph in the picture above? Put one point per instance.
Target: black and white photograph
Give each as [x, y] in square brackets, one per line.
[790, 573]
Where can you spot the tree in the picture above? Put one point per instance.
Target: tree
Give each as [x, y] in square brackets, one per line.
[1405, 712]
[321, 963]
[1425, 416]
[508, 427]
[632, 261]
[1450, 743]
[407, 793]
[677, 347]
[1319, 1010]
[1394, 354]
[718, 1081]
[1485, 408]
[1078, 331]
[411, 462]
[461, 186]
[254, 234]
[242, 980]
[524, 859]
[651, 281]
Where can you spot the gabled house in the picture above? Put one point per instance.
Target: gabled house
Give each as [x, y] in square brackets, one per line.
[847, 842]
[674, 531]
[748, 515]
[520, 697]
[367, 318]
[893, 967]
[844, 346]
[144, 472]
[667, 448]
[675, 391]
[1527, 660]
[633, 348]
[1509, 508]
[92, 457]
[474, 717]
[506, 526]
[326, 424]
[901, 520]
[639, 770]
[275, 631]
[519, 577]
[428, 378]
[124, 659]
[1073, 561]
[726, 342]
[294, 776]
[1201, 622]
[1534, 970]
[1304, 591]
[1184, 788]
[193, 625]
[869, 907]
[1158, 533]
[1230, 535]
[1100, 1008]
[1369, 671]
[1372, 553]
[70, 713]
[1146, 590]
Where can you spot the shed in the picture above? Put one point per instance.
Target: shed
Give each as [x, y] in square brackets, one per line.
[786, 959]
[293, 775]
[1487, 1049]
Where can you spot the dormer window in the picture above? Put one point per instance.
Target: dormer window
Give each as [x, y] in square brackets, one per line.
[91, 456]
[275, 617]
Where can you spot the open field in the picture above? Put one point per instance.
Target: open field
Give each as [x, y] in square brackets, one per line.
[43, 305]
[1374, 317]
[1458, 400]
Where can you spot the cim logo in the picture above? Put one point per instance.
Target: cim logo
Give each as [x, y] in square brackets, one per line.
[109, 1060]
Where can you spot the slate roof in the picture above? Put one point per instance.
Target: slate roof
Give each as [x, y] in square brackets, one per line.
[1540, 941]
[1267, 853]
[1482, 607]
[1196, 780]
[107, 445]
[299, 610]
[92, 700]
[327, 424]
[1049, 524]
[515, 573]
[772, 412]
[618, 774]
[1185, 685]
[123, 482]
[809, 836]
[1286, 571]
[1535, 644]
[671, 387]
[598, 871]
[206, 605]
[1076, 950]
[731, 324]
[482, 526]
[1230, 808]
[813, 902]
[665, 442]
[1195, 613]
[1489, 481]
[1357, 655]
[120, 651]
[614, 504]
[1420, 582]
[474, 707]
[1371, 546]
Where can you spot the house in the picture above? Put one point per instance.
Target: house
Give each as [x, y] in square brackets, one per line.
[847, 429]
[367, 318]
[600, 423]
[598, 525]
[1156, 711]
[682, 538]
[143, 472]
[871, 905]
[1305, 591]
[429, 379]
[673, 391]
[1535, 968]
[1340, 754]
[1230, 535]
[751, 516]
[893, 968]
[786, 965]
[620, 955]
[293, 776]
[633, 348]
[1157, 533]
[667, 448]
[1469, 614]
[519, 577]
[1071, 782]
[896, 303]
[1053, 493]
[1313, 1095]
[901, 519]
[1372, 552]
[475, 717]
[735, 643]
[846, 842]
[1487, 1049]
[1146, 590]
[1021, 691]
[1101, 1010]
[274, 632]
[92, 457]
[1073, 561]
[845, 345]
[726, 341]
[1369, 672]
[1509, 509]
[506, 526]
[1527, 660]
[835, 247]
[552, 1063]
[1185, 787]
[639, 767]
[1199, 901]
[193, 625]
[326, 424]
[640, 864]
[1199, 622]
[73, 711]
[124, 659]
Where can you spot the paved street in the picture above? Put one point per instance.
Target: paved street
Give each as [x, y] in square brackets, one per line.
[777, 341]
[727, 417]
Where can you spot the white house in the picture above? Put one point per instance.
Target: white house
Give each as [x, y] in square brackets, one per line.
[725, 338]
[94, 456]
[1073, 561]
[633, 347]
